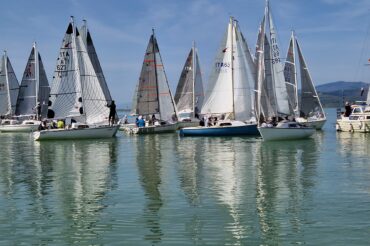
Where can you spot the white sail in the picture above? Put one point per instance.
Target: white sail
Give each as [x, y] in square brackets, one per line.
[153, 95]
[290, 75]
[244, 77]
[34, 87]
[189, 92]
[310, 104]
[76, 90]
[219, 93]
[277, 70]
[231, 85]
[9, 87]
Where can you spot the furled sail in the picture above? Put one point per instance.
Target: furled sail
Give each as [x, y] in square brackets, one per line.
[291, 77]
[310, 104]
[153, 93]
[189, 93]
[76, 90]
[34, 87]
[9, 87]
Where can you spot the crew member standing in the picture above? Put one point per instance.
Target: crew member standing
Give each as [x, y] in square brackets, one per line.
[112, 112]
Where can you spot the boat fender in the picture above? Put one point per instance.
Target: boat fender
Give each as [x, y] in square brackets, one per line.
[351, 130]
[337, 127]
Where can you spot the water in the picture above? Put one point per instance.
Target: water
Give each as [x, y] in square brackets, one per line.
[166, 190]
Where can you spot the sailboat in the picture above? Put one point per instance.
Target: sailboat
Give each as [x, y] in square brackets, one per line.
[230, 94]
[9, 89]
[273, 108]
[189, 93]
[307, 107]
[76, 95]
[153, 102]
[33, 97]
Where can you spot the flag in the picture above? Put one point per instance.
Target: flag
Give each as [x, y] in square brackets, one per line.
[362, 91]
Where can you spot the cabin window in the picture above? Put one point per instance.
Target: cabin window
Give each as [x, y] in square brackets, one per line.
[352, 117]
[368, 117]
[357, 110]
[225, 124]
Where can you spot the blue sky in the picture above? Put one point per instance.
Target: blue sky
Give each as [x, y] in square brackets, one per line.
[331, 33]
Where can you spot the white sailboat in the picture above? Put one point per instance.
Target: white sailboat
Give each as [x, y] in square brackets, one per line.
[230, 92]
[76, 94]
[306, 106]
[272, 96]
[189, 93]
[33, 93]
[153, 96]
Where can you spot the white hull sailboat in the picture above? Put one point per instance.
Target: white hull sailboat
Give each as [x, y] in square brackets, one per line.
[17, 126]
[77, 94]
[33, 93]
[285, 131]
[90, 132]
[230, 93]
[189, 92]
[272, 94]
[306, 106]
[153, 96]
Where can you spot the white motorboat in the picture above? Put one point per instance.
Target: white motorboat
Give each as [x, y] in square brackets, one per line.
[357, 121]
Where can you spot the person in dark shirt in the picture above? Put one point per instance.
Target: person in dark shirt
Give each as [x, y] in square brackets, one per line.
[348, 110]
[112, 112]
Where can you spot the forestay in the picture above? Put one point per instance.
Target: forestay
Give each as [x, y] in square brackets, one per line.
[9, 87]
[34, 87]
[310, 104]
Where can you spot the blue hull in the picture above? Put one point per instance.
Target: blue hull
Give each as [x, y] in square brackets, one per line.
[221, 131]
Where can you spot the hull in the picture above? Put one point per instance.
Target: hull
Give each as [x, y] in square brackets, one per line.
[317, 124]
[250, 129]
[347, 125]
[151, 129]
[19, 128]
[183, 124]
[82, 133]
[276, 133]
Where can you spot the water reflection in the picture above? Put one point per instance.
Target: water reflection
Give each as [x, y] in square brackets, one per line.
[284, 184]
[353, 144]
[62, 183]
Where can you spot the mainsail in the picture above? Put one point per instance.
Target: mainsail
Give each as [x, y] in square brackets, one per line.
[34, 87]
[189, 93]
[272, 92]
[231, 84]
[9, 87]
[290, 75]
[153, 95]
[76, 90]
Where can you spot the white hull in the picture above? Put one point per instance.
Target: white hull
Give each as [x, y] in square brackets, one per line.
[26, 126]
[347, 125]
[317, 124]
[152, 129]
[80, 133]
[276, 133]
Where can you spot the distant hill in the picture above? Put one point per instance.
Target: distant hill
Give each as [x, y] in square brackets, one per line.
[334, 94]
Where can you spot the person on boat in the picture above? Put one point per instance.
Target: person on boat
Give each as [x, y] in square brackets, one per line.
[196, 112]
[60, 124]
[141, 122]
[112, 112]
[124, 119]
[206, 121]
[348, 110]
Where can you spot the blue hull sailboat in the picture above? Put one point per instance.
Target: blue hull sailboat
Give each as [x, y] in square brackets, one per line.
[230, 93]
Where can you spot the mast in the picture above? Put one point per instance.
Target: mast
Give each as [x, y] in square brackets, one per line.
[232, 62]
[7, 82]
[194, 68]
[295, 76]
[37, 79]
[155, 72]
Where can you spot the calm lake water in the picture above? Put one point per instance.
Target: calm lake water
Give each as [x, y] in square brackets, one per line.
[167, 190]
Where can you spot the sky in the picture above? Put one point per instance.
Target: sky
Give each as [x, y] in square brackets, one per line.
[333, 34]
